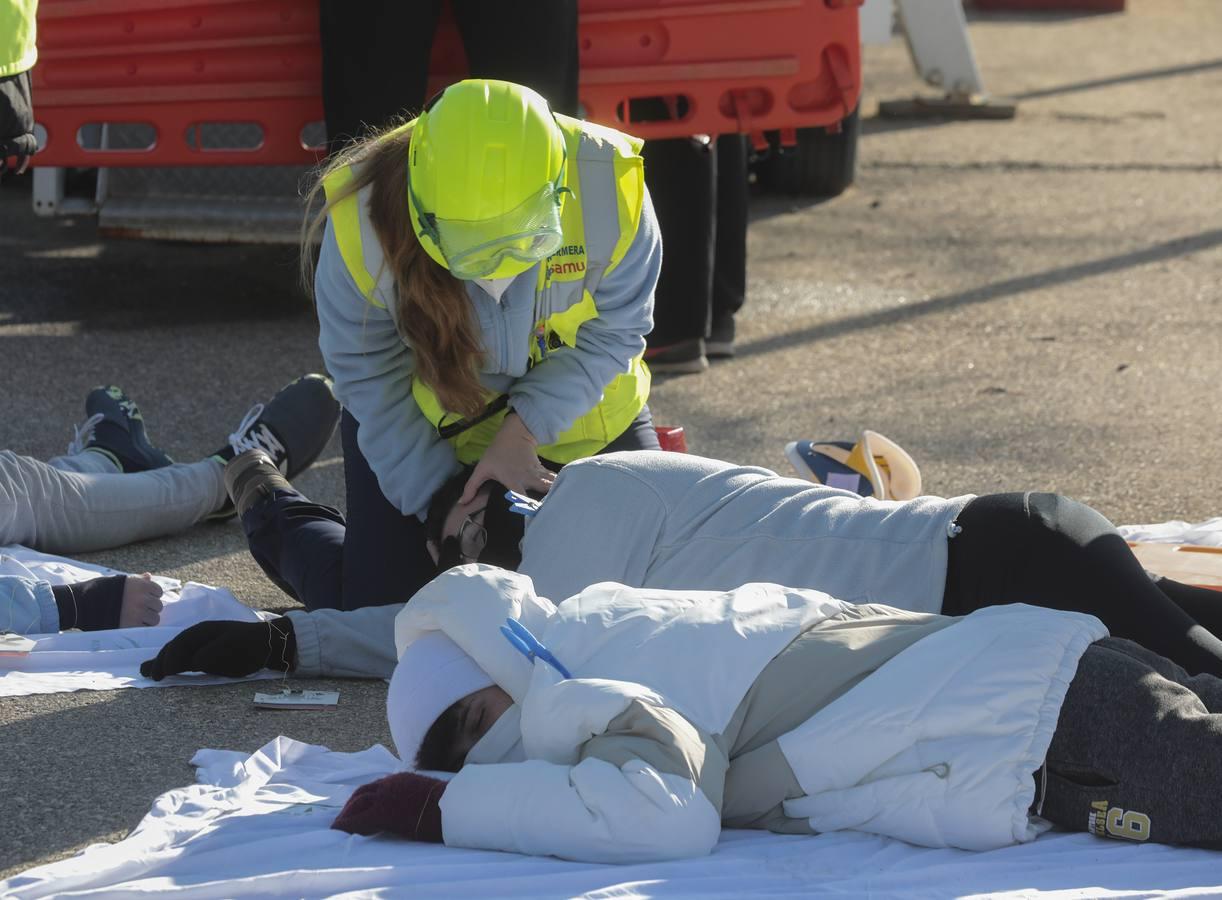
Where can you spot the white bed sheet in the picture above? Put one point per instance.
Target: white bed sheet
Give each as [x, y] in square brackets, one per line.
[107, 660]
[260, 826]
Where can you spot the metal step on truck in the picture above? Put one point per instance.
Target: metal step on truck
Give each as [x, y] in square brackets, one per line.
[202, 118]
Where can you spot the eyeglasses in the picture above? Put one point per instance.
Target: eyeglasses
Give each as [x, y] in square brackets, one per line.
[472, 536]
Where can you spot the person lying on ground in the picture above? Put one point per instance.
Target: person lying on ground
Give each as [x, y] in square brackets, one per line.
[115, 487]
[29, 605]
[672, 520]
[629, 725]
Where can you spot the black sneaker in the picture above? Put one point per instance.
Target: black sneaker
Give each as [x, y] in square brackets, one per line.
[684, 358]
[249, 477]
[292, 428]
[115, 428]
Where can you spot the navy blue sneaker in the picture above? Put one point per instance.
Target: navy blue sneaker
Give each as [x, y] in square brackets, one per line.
[288, 433]
[115, 428]
[292, 428]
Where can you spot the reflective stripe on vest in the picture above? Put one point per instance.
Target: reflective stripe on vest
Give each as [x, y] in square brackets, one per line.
[18, 50]
[607, 176]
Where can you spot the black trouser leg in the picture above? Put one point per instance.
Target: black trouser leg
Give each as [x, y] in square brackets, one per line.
[1137, 752]
[681, 176]
[1048, 550]
[533, 43]
[375, 55]
[375, 62]
[385, 555]
[299, 545]
[730, 255]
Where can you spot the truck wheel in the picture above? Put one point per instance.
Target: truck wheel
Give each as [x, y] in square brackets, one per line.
[822, 165]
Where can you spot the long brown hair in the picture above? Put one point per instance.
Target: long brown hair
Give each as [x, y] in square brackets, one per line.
[433, 312]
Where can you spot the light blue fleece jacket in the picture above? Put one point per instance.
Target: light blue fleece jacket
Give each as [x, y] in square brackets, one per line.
[372, 366]
[27, 605]
[675, 521]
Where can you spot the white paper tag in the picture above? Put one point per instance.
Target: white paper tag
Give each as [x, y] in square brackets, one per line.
[15, 645]
[846, 481]
[297, 699]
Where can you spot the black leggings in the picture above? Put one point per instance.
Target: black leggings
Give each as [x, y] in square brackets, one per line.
[1048, 550]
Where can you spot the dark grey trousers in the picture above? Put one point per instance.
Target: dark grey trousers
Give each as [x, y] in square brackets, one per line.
[1137, 753]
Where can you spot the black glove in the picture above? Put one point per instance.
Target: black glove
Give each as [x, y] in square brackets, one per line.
[232, 649]
[16, 120]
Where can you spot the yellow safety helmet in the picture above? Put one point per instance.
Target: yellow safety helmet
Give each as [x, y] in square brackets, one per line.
[486, 179]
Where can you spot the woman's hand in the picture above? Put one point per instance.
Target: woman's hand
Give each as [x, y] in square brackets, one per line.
[510, 459]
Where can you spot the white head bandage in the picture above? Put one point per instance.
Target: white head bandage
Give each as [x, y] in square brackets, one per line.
[433, 674]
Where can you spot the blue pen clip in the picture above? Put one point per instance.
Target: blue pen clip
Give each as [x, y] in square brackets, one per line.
[521, 504]
[528, 645]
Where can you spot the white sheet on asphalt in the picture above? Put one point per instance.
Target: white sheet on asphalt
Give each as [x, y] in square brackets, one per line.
[260, 826]
[1203, 534]
[106, 660]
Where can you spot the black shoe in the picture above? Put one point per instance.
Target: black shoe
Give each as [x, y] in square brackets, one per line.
[292, 429]
[684, 358]
[249, 477]
[115, 428]
[720, 342]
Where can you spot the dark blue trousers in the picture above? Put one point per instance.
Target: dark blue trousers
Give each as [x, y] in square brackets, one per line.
[376, 555]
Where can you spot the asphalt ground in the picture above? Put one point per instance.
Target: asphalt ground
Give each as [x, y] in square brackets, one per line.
[1034, 304]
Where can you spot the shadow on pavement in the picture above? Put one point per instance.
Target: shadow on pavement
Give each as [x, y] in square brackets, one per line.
[1144, 75]
[1007, 288]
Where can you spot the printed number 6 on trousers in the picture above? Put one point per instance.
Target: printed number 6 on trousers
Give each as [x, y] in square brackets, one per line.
[1133, 826]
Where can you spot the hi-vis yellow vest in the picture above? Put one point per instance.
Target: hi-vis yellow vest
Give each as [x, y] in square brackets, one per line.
[17, 49]
[606, 177]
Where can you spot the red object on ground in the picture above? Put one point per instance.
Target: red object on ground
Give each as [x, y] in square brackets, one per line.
[1051, 5]
[672, 438]
[183, 66]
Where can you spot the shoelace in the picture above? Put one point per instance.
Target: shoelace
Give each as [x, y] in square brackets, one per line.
[252, 434]
[83, 434]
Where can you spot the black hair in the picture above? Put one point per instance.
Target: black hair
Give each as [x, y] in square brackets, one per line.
[504, 528]
[436, 751]
[443, 501]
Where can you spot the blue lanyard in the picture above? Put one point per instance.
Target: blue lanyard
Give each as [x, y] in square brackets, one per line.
[528, 645]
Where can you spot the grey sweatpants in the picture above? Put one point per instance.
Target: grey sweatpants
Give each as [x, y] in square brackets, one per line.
[80, 503]
[1137, 753]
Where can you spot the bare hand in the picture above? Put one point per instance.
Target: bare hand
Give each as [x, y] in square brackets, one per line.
[141, 602]
[510, 459]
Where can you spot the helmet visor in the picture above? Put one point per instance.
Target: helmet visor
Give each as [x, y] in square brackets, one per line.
[528, 233]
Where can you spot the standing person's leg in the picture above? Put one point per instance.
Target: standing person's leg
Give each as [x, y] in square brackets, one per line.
[385, 555]
[60, 511]
[1135, 755]
[1048, 550]
[730, 252]
[534, 44]
[375, 63]
[682, 182]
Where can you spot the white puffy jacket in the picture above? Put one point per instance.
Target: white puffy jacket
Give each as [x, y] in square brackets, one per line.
[624, 763]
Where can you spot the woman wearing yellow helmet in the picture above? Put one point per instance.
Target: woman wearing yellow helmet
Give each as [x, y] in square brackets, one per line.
[484, 287]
